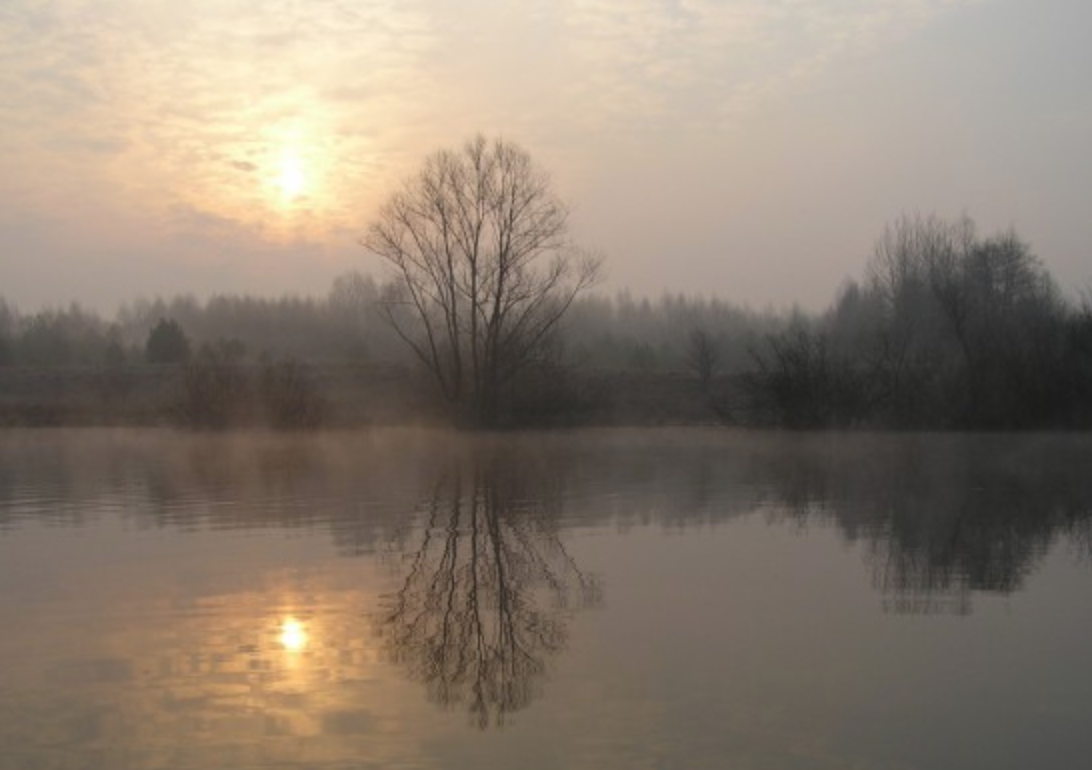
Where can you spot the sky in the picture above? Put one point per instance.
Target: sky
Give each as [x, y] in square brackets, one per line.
[751, 150]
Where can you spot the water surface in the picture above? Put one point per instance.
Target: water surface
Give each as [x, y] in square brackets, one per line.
[618, 599]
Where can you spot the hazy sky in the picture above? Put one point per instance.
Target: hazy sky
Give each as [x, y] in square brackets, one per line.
[751, 149]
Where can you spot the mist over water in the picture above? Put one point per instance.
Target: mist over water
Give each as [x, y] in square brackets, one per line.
[626, 598]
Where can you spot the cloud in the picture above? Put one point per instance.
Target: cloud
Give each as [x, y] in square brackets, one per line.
[650, 61]
[118, 114]
[190, 94]
[186, 95]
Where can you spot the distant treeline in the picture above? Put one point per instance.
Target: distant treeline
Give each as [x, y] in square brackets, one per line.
[342, 326]
[945, 329]
[613, 333]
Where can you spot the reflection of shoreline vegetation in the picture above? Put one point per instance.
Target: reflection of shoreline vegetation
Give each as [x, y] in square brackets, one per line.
[942, 517]
[937, 517]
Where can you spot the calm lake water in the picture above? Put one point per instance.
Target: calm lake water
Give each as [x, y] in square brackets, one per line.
[621, 599]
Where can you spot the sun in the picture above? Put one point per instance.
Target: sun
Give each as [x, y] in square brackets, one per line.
[291, 177]
[290, 196]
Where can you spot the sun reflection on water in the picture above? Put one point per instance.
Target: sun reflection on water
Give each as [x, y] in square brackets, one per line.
[293, 636]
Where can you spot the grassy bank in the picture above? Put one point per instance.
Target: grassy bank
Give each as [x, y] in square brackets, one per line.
[332, 395]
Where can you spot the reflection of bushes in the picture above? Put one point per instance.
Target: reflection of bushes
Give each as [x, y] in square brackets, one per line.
[220, 392]
[940, 518]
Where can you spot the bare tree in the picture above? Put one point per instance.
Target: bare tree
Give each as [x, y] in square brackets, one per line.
[911, 275]
[484, 269]
[970, 328]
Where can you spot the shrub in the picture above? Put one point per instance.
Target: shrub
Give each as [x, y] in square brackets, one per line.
[290, 397]
[214, 391]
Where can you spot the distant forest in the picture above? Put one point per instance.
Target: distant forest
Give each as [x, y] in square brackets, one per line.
[944, 329]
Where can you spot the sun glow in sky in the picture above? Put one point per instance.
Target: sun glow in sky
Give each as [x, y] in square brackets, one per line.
[747, 148]
[291, 181]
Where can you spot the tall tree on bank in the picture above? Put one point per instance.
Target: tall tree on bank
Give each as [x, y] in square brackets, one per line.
[484, 270]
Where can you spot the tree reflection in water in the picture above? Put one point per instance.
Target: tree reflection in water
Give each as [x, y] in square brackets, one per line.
[486, 599]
